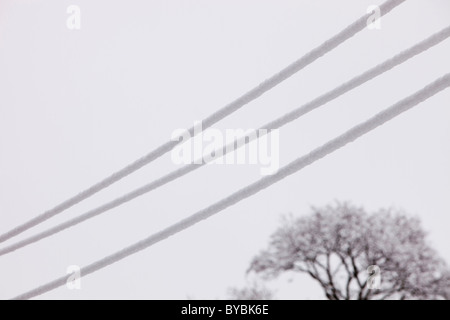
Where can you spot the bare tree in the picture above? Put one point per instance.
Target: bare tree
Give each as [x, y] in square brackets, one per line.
[336, 244]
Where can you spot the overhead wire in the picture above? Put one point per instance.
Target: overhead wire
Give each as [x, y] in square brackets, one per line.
[220, 114]
[345, 87]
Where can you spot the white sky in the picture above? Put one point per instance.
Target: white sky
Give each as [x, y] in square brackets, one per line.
[76, 106]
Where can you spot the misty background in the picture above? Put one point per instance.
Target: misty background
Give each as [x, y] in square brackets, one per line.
[77, 105]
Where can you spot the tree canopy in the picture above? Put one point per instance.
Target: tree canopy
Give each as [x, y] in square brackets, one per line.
[336, 244]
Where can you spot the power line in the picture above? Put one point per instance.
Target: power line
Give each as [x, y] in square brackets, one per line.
[295, 166]
[251, 95]
[285, 119]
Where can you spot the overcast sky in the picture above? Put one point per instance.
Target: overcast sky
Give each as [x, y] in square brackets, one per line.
[76, 106]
